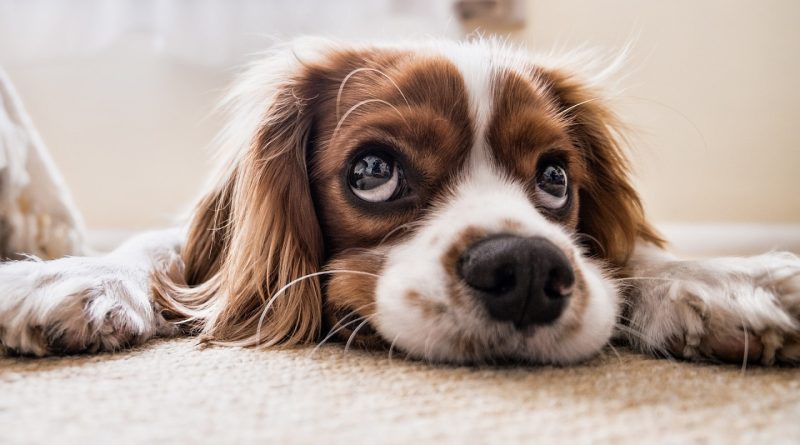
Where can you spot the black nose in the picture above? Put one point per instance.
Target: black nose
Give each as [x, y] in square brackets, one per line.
[522, 280]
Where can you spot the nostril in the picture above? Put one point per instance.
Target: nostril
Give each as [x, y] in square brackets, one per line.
[505, 279]
[491, 266]
[522, 280]
[497, 281]
[560, 282]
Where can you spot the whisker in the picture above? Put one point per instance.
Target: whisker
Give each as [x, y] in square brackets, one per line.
[564, 112]
[283, 289]
[614, 350]
[364, 102]
[359, 309]
[644, 340]
[391, 347]
[646, 278]
[579, 236]
[746, 351]
[676, 111]
[355, 331]
[624, 318]
[426, 347]
[745, 330]
[354, 311]
[406, 226]
[334, 332]
[359, 70]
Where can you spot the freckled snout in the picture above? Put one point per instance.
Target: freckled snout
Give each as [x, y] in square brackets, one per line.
[527, 281]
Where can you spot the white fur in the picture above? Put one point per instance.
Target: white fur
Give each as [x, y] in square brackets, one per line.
[83, 303]
[704, 305]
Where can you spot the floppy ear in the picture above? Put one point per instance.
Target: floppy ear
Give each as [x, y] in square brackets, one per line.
[256, 231]
[611, 211]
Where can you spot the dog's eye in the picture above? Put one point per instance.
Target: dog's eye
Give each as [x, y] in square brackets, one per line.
[551, 186]
[375, 178]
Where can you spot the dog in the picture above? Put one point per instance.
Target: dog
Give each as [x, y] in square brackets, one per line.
[459, 202]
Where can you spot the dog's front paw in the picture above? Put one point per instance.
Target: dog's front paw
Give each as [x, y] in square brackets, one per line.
[74, 305]
[729, 309]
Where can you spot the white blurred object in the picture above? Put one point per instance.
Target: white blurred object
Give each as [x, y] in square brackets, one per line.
[207, 31]
[37, 215]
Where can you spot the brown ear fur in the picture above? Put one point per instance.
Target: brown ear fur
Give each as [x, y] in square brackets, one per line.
[611, 211]
[253, 234]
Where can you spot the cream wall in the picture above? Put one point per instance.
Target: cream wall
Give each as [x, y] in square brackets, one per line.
[712, 94]
[130, 131]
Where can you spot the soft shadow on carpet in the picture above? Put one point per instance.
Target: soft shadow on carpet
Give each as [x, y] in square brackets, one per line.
[172, 392]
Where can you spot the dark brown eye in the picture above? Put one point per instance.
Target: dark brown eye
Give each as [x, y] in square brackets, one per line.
[551, 186]
[375, 177]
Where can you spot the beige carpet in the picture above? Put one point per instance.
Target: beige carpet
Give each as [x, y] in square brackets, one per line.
[172, 392]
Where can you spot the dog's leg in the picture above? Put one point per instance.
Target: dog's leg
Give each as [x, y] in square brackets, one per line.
[729, 309]
[85, 304]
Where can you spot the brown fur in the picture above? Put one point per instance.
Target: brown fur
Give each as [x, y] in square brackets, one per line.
[350, 297]
[525, 127]
[611, 212]
[428, 129]
[256, 232]
[251, 236]
[281, 211]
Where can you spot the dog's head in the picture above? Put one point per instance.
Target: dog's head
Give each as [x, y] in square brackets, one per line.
[462, 202]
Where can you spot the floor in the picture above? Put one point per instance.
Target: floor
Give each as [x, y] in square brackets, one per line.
[171, 391]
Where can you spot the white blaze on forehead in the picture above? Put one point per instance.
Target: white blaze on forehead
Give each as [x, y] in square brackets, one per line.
[476, 65]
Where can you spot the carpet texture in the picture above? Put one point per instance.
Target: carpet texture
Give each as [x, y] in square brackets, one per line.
[172, 392]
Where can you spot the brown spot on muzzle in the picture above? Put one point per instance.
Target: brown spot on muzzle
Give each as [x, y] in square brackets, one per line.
[428, 308]
[456, 291]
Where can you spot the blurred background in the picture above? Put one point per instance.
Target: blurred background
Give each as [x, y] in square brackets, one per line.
[122, 93]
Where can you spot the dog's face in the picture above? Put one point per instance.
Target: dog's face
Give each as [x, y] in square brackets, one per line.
[463, 202]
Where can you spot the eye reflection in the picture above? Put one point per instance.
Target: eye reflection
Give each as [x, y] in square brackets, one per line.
[552, 186]
[374, 178]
